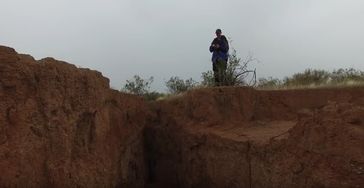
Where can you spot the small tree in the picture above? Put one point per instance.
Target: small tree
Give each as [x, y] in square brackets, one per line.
[137, 85]
[176, 85]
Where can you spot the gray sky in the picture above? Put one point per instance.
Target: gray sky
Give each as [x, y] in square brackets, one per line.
[164, 38]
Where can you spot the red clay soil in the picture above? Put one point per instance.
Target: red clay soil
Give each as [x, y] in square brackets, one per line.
[61, 126]
[240, 137]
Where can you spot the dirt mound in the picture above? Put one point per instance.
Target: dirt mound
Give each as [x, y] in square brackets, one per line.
[61, 126]
[322, 150]
[240, 137]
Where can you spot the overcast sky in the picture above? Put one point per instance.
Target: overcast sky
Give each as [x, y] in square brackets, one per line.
[164, 38]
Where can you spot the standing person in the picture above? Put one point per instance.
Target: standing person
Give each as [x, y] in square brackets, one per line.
[219, 49]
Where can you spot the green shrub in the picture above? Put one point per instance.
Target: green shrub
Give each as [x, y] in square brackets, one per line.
[176, 85]
[269, 82]
[207, 79]
[346, 75]
[237, 72]
[152, 96]
[137, 85]
[308, 77]
[315, 78]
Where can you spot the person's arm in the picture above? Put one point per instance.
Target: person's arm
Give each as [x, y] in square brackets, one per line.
[225, 45]
[213, 46]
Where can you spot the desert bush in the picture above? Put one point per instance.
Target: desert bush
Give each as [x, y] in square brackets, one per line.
[141, 87]
[315, 78]
[177, 85]
[207, 79]
[152, 96]
[238, 72]
[137, 85]
[346, 75]
[269, 82]
[308, 77]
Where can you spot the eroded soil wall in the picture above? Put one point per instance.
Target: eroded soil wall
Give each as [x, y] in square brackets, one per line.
[61, 126]
[239, 137]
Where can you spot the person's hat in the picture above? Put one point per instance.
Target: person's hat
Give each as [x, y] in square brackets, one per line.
[218, 31]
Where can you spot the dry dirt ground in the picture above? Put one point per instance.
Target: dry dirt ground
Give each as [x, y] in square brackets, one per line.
[61, 126]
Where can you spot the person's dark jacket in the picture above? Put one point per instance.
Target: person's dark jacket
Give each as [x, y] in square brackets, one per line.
[221, 51]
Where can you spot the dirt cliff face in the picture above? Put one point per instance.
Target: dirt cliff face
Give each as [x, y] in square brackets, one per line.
[240, 137]
[61, 126]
